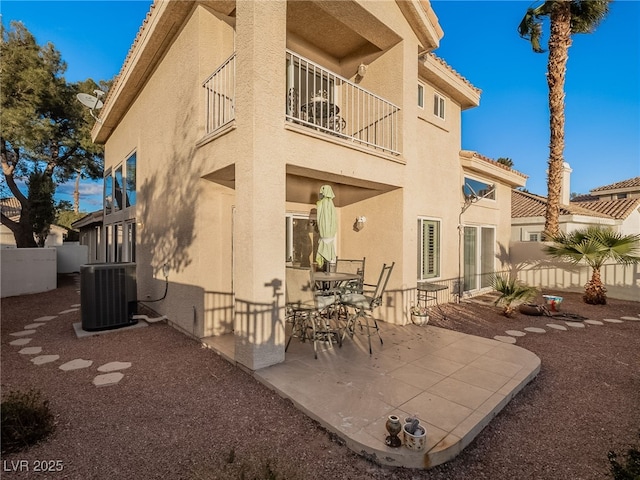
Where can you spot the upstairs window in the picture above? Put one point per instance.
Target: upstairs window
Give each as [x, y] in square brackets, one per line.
[475, 189]
[130, 182]
[420, 95]
[438, 105]
[108, 192]
[117, 188]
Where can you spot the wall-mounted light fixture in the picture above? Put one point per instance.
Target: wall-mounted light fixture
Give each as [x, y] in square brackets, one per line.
[359, 223]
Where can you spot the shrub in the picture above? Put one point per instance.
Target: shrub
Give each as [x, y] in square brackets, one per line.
[26, 419]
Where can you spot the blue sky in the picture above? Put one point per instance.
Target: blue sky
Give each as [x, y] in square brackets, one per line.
[480, 42]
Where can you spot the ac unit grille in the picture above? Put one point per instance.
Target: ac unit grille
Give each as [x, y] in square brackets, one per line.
[107, 295]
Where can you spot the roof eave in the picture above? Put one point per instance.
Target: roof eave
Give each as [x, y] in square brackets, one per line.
[470, 162]
[449, 82]
[423, 21]
[156, 34]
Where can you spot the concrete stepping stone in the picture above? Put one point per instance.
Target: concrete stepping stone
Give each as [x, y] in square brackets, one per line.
[535, 330]
[557, 327]
[612, 320]
[68, 311]
[575, 324]
[113, 366]
[21, 341]
[45, 319]
[30, 351]
[504, 339]
[76, 305]
[633, 319]
[44, 359]
[594, 322]
[108, 379]
[76, 364]
[23, 333]
[515, 333]
[31, 326]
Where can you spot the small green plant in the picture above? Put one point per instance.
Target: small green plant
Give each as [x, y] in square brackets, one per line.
[630, 470]
[26, 420]
[512, 293]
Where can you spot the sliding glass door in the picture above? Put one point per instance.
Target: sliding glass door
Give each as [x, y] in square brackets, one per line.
[479, 257]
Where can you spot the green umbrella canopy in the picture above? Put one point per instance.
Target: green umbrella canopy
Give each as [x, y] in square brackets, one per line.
[327, 226]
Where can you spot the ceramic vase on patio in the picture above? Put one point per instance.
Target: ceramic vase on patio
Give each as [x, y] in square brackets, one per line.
[415, 435]
[394, 427]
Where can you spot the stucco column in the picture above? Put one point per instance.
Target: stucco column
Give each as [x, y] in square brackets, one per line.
[259, 233]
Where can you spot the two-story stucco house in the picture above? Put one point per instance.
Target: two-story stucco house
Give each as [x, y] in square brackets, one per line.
[227, 118]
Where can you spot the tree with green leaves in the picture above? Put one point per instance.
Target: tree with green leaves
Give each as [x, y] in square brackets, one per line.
[595, 246]
[44, 128]
[566, 17]
[506, 161]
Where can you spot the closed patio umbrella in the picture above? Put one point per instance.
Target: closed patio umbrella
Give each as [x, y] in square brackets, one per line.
[327, 226]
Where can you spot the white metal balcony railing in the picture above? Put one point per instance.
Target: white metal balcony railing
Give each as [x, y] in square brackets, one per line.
[316, 98]
[325, 101]
[221, 95]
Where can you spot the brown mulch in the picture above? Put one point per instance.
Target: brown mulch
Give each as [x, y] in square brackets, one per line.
[182, 412]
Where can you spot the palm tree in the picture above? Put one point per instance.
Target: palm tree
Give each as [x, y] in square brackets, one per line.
[595, 246]
[566, 18]
[513, 293]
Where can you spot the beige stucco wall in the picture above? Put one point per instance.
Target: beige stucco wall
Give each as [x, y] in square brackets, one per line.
[222, 235]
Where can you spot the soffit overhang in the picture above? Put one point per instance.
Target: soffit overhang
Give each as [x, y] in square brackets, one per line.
[437, 73]
[423, 22]
[471, 162]
[163, 22]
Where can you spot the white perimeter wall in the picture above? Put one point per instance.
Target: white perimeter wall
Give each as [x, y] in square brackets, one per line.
[27, 270]
[535, 268]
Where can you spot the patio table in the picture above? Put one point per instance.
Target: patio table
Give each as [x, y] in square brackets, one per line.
[429, 291]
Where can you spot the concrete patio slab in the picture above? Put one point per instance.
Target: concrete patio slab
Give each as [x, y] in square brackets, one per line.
[80, 333]
[453, 382]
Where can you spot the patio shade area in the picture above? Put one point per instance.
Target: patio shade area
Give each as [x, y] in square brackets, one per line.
[453, 382]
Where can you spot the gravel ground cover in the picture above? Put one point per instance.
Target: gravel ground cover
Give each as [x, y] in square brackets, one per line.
[182, 412]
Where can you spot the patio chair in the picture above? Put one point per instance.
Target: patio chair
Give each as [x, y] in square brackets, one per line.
[306, 311]
[364, 304]
[352, 266]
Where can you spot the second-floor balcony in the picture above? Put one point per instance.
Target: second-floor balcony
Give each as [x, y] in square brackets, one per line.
[316, 98]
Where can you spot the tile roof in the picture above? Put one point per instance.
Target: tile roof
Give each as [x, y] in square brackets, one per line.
[525, 204]
[629, 183]
[618, 209]
[448, 67]
[10, 207]
[498, 164]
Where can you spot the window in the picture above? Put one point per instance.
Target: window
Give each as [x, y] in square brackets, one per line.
[478, 189]
[300, 233]
[108, 192]
[428, 248]
[438, 105]
[621, 196]
[117, 189]
[533, 237]
[130, 242]
[421, 95]
[130, 181]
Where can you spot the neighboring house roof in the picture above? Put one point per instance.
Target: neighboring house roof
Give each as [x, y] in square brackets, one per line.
[618, 209]
[10, 207]
[89, 219]
[525, 204]
[630, 183]
[584, 198]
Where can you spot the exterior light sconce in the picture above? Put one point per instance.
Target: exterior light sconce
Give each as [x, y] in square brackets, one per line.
[359, 223]
[360, 73]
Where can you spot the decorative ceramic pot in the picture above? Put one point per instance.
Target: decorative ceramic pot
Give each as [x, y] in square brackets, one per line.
[417, 440]
[420, 319]
[394, 427]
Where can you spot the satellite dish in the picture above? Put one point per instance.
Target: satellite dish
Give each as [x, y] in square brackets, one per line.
[91, 101]
[473, 195]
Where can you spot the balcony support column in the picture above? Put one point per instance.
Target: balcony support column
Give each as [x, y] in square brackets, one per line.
[260, 175]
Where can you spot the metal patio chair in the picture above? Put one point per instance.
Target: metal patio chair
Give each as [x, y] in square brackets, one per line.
[364, 304]
[306, 311]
